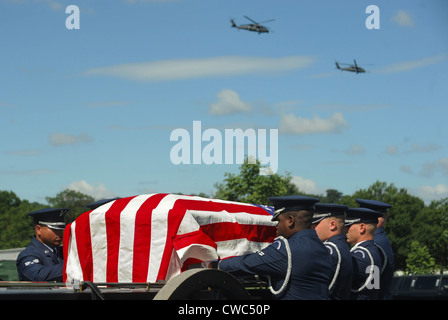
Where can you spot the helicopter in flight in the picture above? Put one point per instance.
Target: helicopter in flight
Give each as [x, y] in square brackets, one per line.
[351, 67]
[254, 26]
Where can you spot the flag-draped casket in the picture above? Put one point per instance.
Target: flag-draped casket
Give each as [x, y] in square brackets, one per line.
[153, 237]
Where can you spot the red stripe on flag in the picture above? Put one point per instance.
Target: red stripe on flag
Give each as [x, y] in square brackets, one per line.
[175, 216]
[142, 238]
[196, 237]
[84, 245]
[113, 237]
[142, 250]
[223, 206]
[66, 240]
[192, 238]
[224, 231]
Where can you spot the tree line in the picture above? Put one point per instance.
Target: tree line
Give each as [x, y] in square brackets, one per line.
[418, 232]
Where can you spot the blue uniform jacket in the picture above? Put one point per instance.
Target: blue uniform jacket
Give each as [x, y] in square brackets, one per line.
[381, 239]
[362, 262]
[311, 266]
[38, 263]
[343, 283]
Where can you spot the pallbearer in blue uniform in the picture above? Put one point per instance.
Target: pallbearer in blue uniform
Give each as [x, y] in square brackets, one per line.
[42, 259]
[297, 262]
[360, 225]
[328, 221]
[382, 241]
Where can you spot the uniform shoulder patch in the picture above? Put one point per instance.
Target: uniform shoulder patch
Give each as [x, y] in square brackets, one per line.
[361, 252]
[278, 244]
[31, 262]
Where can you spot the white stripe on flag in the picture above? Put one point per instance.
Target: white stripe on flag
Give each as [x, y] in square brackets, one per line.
[199, 251]
[188, 224]
[159, 231]
[198, 245]
[127, 231]
[99, 241]
[73, 265]
[204, 217]
[238, 247]
[159, 228]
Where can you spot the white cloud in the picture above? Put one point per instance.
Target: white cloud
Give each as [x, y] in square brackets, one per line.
[403, 19]
[423, 148]
[443, 165]
[291, 124]
[429, 193]
[98, 192]
[392, 149]
[228, 102]
[60, 139]
[6, 105]
[431, 167]
[411, 65]
[287, 104]
[168, 70]
[55, 5]
[52, 4]
[406, 169]
[355, 149]
[415, 148]
[307, 185]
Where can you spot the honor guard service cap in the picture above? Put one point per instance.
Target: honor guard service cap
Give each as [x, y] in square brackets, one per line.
[292, 203]
[374, 205]
[325, 210]
[52, 218]
[358, 215]
[99, 203]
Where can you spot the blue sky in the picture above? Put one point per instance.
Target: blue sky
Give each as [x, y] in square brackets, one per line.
[92, 109]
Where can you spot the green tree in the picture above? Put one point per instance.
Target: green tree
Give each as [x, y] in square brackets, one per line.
[333, 196]
[419, 260]
[73, 200]
[431, 229]
[16, 227]
[251, 187]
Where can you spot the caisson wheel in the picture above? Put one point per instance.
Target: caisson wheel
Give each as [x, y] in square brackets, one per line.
[202, 284]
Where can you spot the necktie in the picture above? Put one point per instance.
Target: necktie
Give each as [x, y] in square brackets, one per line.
[55, 251]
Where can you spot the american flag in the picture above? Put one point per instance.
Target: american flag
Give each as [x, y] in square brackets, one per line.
[153, 237]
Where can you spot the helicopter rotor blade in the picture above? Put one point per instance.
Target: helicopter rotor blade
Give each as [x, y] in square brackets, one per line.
[251, 19]
[266, 21]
